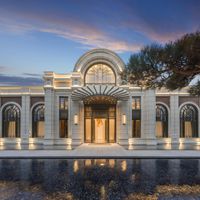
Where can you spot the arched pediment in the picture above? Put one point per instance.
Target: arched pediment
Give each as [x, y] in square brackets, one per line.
[103, 56]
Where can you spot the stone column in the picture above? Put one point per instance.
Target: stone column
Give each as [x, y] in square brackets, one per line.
[149, 117]
[174, 130]
[49, 116]
[122, 129]
[76, 129]
[130, 131]
[25, 119]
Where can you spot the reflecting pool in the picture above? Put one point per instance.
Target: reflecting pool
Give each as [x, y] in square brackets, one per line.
[99, 179]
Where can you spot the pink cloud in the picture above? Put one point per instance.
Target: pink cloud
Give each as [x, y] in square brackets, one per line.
[87, 34]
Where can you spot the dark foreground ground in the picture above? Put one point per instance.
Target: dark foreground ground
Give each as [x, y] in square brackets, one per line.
[99, 179]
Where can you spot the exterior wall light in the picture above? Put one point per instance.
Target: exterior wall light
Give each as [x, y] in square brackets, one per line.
[75, 119]
[124, 119]
[1, 142]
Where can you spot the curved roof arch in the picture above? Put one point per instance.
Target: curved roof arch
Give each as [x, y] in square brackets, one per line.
[104, 56]
[89, 91]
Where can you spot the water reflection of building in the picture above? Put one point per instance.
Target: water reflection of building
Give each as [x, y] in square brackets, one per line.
[93, 105]
[101, 177]
[100, 162]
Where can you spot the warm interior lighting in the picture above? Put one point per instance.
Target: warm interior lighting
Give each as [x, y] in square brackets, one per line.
[31, 140]
[168, 146]
[18, 143]
[76, 167]
[181, 143]
[123, 165]
[1, 142]
[103, 192]
[75, 119]
[69, 143]
[198, 141]
[31, 146]
[111, 163]
[88, 163]
[123, 119]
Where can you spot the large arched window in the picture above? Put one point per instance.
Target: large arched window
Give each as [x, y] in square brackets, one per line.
[100, 74]
[161, 121]
[11, 121]
[188, 121]
[38, 126]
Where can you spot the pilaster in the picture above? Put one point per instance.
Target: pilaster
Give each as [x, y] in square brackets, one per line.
[49, 116]
[174, 117]
[149, 116]
[25, 118]
[123, 129]
[77, 130]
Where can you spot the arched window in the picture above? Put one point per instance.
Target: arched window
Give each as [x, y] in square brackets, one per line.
[11, 121]
[38, 126]
[161, 121]
[100, 74]
[188, 121]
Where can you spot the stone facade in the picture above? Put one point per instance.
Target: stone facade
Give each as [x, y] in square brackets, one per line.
[71, 85]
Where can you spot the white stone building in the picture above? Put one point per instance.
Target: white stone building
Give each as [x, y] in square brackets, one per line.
[91, 105]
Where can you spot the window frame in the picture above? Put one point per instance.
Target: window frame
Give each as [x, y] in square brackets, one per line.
[136, 116]
[17, 120]
[64, 116]
[165, 128]
[93, 65]
[195, 127]
[34, 122]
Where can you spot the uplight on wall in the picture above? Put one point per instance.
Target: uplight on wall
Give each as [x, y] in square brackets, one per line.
[123, 119]
[75, 119]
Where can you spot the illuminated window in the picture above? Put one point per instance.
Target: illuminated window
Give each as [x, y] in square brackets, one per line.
[11, 121]
[136, 117]
[161, 121]
[63, 103]
[38, 126]
[63, 117]
[188, 121]
[100, 74]
[136, 103]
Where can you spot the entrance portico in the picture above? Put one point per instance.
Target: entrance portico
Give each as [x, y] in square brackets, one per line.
[100, 111]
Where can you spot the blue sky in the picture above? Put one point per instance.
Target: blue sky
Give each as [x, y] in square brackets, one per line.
[50, 35]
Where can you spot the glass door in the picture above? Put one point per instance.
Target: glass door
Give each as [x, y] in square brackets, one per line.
[100, 123]
[100, 130]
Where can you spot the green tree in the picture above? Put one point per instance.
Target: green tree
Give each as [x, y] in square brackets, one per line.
[173, 65]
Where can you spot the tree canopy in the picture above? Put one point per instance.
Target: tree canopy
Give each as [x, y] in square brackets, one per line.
[173, 65]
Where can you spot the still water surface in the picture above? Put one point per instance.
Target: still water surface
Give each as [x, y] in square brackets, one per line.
[99, 179]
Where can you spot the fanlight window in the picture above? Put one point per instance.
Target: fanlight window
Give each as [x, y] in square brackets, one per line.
[38, 125]
[100, 74]
[161, 121]
[189, 121]
[11, 121]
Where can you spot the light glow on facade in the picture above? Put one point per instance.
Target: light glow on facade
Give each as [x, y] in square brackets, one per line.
[91, 105]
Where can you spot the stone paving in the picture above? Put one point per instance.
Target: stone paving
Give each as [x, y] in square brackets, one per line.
[97, 151]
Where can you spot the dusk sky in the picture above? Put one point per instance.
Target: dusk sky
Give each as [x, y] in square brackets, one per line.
[50, 35]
